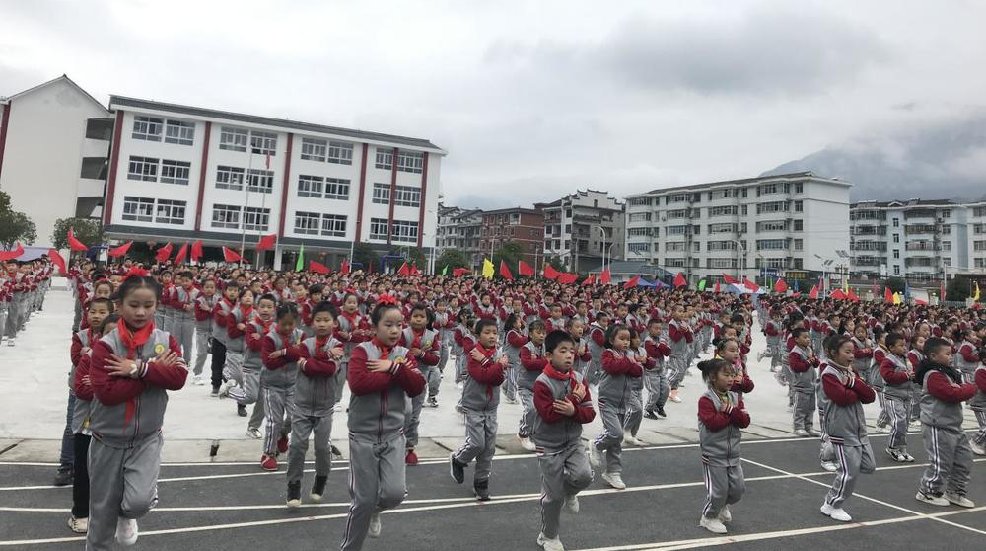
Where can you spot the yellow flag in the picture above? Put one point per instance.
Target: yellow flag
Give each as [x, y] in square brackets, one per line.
[975, 296]
[487, 268]
[897, 299]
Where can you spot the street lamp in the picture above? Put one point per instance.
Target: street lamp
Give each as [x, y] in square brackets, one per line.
[602, 231]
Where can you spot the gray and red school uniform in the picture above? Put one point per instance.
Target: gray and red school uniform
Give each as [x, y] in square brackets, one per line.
[802, 365]
[844, 422]
[532, 363]
[897, 391]
[277, 385]
[620, 376]
[656, 376]
[719, 439]
[426, 341]
[354, 325]
[480, 400]
[949, 455]
[314, 398]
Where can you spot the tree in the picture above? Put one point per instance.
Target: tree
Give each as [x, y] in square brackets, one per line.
[416, 257]
[14, 225]
[365, 256]
[87, 230]
[959, 288]
[453, 258]
[510, 252]
[896, 284]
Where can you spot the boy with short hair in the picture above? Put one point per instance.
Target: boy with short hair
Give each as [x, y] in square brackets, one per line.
[563, 404]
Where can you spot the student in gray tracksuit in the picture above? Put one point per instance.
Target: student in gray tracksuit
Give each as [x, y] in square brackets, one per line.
[978, 406]
[898, 377]
[597, 343]
[423, 343]
[204, 304]
[127, 414]
[619, 370]
[485, 371]
[279, 353]
[531, 362]
[563, 403]
[236, 326]
[949, 455]
[183, 326]
[656, 378]
[844, 391]
[515, 340]
[314, 397]
[256, 330]
[381, 378]
[803, 364]
[721, 415]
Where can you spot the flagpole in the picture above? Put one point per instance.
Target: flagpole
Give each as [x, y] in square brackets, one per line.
[246, 198]
[263, 203]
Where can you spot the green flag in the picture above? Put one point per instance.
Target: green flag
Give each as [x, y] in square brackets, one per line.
[701, 284]
[300, 265]
[445, 271]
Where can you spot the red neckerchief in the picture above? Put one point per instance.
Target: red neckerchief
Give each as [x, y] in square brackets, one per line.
[264, 324]
[353, 320]
[133, 341]
[320, 343]
[416, 341]
[550, 371]
[384, 350]
[246, 311]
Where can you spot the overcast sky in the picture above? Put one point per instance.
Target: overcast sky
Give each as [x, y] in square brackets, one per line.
[536, 99]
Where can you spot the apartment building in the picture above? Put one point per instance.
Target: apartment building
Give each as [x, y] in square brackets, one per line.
[54, 143]
[583, 229]
[460, 229]
[920, 239]
[791, 225]
[519, 225]
[179, 173]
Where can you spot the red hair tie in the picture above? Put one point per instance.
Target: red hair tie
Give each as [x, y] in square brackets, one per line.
[387, 299]
[135, 271]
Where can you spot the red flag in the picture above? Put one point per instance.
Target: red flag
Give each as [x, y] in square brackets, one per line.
[888, 296]
[780, 286]
[853, 296]
[751, 286]
[11, 255]
[119, 251]
[814, 291]
[182, 253]
[267, 161]
[460, 272]
[505, 270]
[567, 279]
[266, 242]
[317, 268]
[74, 244]
[729, 279]
[717, 289]
[344, 268]
[524, 269]
[590, 280]
[941, 291]
[231, 256]
[164, 253]
[605, 277]
[679, 280]
[550, 272]
[838, 295]
[404, 270]
[196, 251]
[413, 269]
[632, 282]
[57, 260]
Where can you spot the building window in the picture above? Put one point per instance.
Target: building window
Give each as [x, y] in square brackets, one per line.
[385, 158]
[313, 149]
[225, 216]
[799, 187]
[980, 262]
[143, 169]
[772, 225]
[677, 213]
[404, 231]
[170, 211]
[721, 246]
[638, 201]
[232, 138]
[378, 229]
[408, 196]
[230, 177]
[263, 143]
[640, 217]
[728, 210]
[896, 270]
[767, 189]
[896, 238]
[799, 225]
[799, 205]
[260, 181]
[946, 245]
[147, 128]
[676, 230]
[336, 188]
[306, 223]
[255, 218]
[896, 222]
[799, 263]
[979, 246]
[340, 153]
[727, 227]
[381, 194]
[638, 232]
[138, 209]
[799, 244]
[180, 132]
[772, 206]
[979, 211]
[721, 263]
[310, 186]
[334, 225]
[771, 244]
[675, 247]
[175, 172]
[638, 248]
[674, 262]
[410, 161]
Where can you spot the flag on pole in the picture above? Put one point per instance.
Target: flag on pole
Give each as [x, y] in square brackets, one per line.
[780, 286]
[702, 283]
[57, 260]
[975, 293]
[196, 251]
[942, 291]
[164, 253]
[460, 272]
[524, 269]
[680, 281]
[751, 286]
[813, 293]
[230, 256]
[716, 289]
[404, 270]
[505, 271]
[550, 272]
[897, 299]
[487, 268]
[605, 277]
[445, 271]
[318, 268]
[729, 279]
[589, 280]
[12, 255]
[266, 242]
[567, 279]
[632, 282]
[117, 252]
[74, 244]
[300, 264]
[182, 253]
[888, 296]
[853, 296]
[345, 267]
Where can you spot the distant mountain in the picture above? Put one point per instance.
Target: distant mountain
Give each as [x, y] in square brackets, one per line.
[943, 159]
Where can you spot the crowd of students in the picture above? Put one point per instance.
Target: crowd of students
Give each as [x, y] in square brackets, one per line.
[288, 344]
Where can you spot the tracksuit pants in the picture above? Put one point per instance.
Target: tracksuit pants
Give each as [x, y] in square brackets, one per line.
[302, 427]
[898, 410]
[412, 419]
[656, 383]
[4, 314]
[80, 480]
[277, 404]
[949, 461]
[122, 483]
[66, 458]
[376, 481]
[218, 362]
[980, 437]
[76, 320]
[527, 415]
[433, 377]
[480, 443]
[202, 336]
[183, 330]
[13, 324]
[340, 380]
[804, 408]
[563, 474]
[852, 461]
[635, 412]
[509, 386]
[725, 486]
[677, 365]
[610, 440]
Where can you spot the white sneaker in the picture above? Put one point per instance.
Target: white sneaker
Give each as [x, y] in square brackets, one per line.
[835, 513]
[725, 514]
[676, 399]
[126, 531]
[572, 504]
[78, 525]
[937, 501]
[713, 525]
[595, 456]
[961, 501]
[614, 480]
[977, 448]
[631, 440]
[550, 544]
[527, 444]
[830, 466]
[10, 342]
[224, 388]
[375, 526]
[337, 407]
[253, 433]
[199, 380]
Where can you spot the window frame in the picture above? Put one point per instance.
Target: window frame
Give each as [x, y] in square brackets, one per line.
[146, 133]
[184, 132]
[234, 138]
[176, 167]
[136, 204]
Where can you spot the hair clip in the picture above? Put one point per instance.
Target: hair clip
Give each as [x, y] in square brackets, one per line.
[387, 299]
[135, 271]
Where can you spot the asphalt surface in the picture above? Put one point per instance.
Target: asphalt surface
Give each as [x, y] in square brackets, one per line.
[237, 506]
